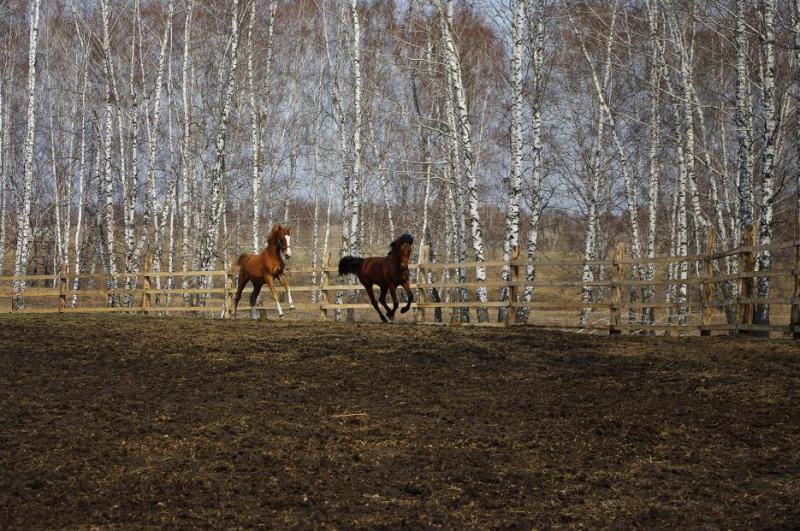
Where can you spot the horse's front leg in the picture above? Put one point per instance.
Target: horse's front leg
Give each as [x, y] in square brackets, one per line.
[288, 291]
[268, 280]
[409, 296]
[393, 293]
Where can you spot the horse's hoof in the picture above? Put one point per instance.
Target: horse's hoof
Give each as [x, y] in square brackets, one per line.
[280, 316]
[403, 310]
[291, 307]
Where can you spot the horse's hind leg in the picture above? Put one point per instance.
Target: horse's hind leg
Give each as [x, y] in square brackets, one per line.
[242, 283]
[368, 287]
[382, 298]
[288, 291]
[254, 298]
[268, 279]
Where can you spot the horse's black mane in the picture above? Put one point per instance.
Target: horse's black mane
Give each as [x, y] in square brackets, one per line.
[405, 238]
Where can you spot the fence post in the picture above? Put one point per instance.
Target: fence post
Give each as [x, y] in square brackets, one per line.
[323, 292]
[616, 299]
[229, 289]
[512, 289]
[748, 260]
[62, 287]
[421, 280]
[147, 283]
[708, 286]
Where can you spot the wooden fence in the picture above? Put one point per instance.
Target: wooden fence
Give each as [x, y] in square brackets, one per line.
[619, 303]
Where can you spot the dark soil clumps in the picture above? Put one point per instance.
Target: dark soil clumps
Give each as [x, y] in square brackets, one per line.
[146, 421]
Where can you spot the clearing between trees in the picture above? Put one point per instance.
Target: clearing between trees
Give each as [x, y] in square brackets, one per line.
[146, 421]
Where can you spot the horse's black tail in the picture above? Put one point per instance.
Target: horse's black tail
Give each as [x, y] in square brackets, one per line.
[350, 264]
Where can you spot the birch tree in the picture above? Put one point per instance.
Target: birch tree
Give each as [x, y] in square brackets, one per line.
[743, 118]
[511, 241]
[355, 179]
[215, 211]
[24, 215]
[534, 13]
[765, 229]
[3, 172]
[445, 10]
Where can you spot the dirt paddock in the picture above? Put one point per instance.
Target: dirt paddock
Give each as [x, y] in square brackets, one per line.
[146, 421]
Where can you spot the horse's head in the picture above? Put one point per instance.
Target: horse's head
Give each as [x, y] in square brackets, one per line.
[402, 247]
[281, 237]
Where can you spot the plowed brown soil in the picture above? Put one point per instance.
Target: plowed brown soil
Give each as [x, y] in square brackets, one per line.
[139, 421]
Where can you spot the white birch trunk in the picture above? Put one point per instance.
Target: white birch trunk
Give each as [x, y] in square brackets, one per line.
[511, 241]
[24, 213]
[150, 217]
[255, 133]
[743, 118]
[108, 184]
[355, 179]
[57, 206]
[460, 98]
[185, 185]
[655, 150]
[210, 236]
[765, 229]
[3, 173]
[536, 39]
[630, 186]
[315, 239]
[796, 30]
[382, 181]
[82, 177]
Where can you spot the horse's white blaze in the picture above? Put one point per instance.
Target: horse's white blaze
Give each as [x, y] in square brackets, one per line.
[288, 251]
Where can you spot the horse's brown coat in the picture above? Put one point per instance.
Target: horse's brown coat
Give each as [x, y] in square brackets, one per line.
[387, 272]
[265, 267]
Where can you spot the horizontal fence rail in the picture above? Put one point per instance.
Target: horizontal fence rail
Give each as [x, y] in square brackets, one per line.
[715, 292]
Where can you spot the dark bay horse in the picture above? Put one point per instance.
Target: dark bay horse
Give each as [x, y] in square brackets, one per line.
[387, 272]
[265, 267]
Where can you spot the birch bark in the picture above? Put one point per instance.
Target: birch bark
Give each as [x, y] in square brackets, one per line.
[515, 179]
[535, 18]
[185, 155]
[3, 173]
[655, 149]
[355, 179]
[211, 234]
[24, 217]
[107, 181]
[743, 118]
[150, 218]
[770, 136]
[445, 8]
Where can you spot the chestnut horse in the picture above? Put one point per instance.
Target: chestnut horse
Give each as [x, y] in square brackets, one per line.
[387, 272]
[264, 267]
